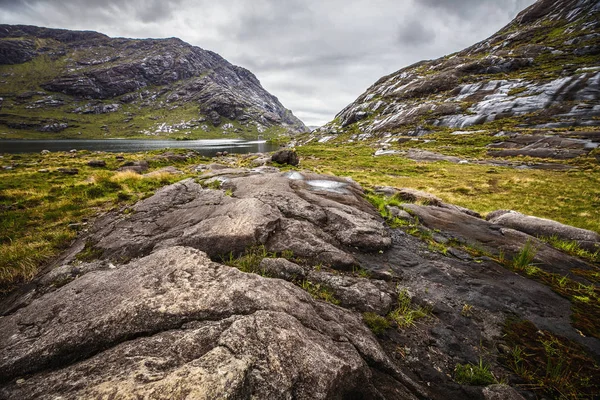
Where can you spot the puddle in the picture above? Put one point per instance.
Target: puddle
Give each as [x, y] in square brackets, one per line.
[330, 186]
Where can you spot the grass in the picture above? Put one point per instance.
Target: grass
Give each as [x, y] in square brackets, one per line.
[482, 188]
[319, 291]
[572, 248]
[550, 364]
[474, 374]
[376, 323]
[406, 314]
[40, 213]
[524, 257]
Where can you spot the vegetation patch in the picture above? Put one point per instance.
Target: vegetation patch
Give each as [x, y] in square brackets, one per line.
[550, 364]
[474, 374]
[39, 210]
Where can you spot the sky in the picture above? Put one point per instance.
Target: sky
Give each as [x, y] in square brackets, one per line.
[316, 56]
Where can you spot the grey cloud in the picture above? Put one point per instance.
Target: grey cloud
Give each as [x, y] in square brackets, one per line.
[414, 33]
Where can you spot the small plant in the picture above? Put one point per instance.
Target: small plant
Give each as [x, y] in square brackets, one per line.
[319, 291]
[524, 257]
[467, 310]
[229, 193]
[250, 260]
[376, 323]
[475, 375]
[406, 313]
[363, 273]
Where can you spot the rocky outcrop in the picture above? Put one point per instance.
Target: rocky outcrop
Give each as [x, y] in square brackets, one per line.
[154, 312]
[535, 69]
[320, 218]
[175, 323]
[94, 74]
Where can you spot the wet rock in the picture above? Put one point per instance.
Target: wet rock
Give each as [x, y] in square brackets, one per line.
[541, 227]
[97, 163]
[493, 238]
[175, 321]
[285, 157]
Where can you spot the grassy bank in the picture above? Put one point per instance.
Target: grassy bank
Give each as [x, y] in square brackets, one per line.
[571, 197]
[42, 209]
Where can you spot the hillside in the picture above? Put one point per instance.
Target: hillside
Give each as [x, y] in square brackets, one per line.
[71, 84]
[538, 75]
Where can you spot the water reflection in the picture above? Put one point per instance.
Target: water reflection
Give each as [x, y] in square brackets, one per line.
[207, 147]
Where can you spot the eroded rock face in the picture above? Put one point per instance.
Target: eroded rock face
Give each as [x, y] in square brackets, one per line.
[148, 74]
[176, 324]
[463, 89]
[320, 218]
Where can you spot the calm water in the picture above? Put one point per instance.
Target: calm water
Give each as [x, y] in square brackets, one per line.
[204, 147]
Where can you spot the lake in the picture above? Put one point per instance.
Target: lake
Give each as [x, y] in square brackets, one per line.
[206, 147]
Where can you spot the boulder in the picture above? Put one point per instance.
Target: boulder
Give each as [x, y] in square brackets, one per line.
[177, 324]
[97, 163]
[285, 157]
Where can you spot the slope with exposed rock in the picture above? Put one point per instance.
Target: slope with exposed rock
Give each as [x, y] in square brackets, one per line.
[539, 73]
[60, 83]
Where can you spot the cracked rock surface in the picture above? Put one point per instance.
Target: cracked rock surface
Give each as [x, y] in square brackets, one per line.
[317, 217]
[177, 324]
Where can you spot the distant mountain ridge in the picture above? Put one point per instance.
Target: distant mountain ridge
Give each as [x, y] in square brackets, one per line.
[66, 82]
[540, 71]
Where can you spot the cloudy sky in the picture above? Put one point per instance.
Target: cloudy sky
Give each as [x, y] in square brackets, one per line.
[316, 56]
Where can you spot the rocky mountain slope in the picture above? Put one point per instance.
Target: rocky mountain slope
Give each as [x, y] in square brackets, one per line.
[331, 301]
[540, 72]
[59, 83]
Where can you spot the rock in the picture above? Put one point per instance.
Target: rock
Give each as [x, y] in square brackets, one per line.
[270, 209]
[44, 152]
[283, 269]
[424, 155]
[419, 196]
[361, 294]
[285, 157]
[135, 166]
[166, 170]
[219, 154]
[175, 322]
[97, 163]
[501, 392]
[493, 238]
[55, 127]
[43, 170]
[68, 171]
[541, 227]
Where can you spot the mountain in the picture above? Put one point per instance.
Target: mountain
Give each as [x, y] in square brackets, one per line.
[541, 71]
[60, 83]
